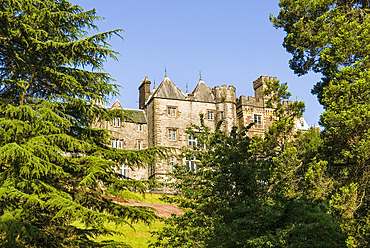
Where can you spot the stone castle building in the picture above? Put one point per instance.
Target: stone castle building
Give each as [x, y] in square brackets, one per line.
[166, 112]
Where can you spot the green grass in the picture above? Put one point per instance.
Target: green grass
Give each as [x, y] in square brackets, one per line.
[139, 237]
[150, 198]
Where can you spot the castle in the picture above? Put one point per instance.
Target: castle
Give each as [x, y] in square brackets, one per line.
[166, 112]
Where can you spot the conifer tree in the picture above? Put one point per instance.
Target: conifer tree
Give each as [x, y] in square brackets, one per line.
[53, 165]
[332, 38]
[254, 192]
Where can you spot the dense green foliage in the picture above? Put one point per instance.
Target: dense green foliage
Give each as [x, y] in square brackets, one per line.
[255, 192]
[332, 37]
[53, 165]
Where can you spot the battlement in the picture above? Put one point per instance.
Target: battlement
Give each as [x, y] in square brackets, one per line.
[225, 93]
[261, 81]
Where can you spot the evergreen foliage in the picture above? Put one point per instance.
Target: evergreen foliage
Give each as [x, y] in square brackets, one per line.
[255, 192]
[332, 37]
[54, 166]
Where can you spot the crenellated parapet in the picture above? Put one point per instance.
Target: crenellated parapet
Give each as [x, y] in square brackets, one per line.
[224, 93]
[259, 85]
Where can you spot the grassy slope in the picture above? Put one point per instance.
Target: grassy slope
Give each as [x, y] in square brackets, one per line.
[136, 239]
[139, 237]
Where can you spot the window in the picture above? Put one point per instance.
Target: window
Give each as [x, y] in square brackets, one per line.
[192, 140]
[210, 115]
[258, 121]
[172, 163]
[172, 134]
[171, 111]
[116, 122]
[117, 144]
[221, 115]
[139, 144]
[125, 171]
[139, 127]
[191, 164]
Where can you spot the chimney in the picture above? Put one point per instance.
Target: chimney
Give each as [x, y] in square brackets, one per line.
[144, 92]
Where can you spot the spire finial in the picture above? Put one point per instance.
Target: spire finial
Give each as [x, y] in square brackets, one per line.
[200, 75]
[187, 88]
[165, 72]
[154, 84]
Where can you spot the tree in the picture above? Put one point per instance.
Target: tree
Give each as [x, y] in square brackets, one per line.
[254, 192]
[332, 37]
[53, 166]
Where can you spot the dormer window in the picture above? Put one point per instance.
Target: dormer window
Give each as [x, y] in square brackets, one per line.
[139, 127]
[116, 122]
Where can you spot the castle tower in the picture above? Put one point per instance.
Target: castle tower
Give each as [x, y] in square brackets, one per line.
[259, 85]
[144, 92]
[226, 105]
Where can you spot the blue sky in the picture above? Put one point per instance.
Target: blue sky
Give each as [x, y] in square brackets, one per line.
[231, 42]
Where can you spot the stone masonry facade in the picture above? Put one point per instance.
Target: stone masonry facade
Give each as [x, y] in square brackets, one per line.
[166, 112]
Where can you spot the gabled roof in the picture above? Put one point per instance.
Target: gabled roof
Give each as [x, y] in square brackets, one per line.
[134, 115]
[301, 124]
[167, 89]
[203, 93]
[116, 105]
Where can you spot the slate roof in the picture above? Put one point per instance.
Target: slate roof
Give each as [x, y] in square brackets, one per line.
[167, 89]
[135, 115]
[203, 93]
[138, 115]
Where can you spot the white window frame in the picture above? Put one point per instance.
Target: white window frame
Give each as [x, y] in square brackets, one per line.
[172, 163]
[139, 145]
[258, 123]
[210, 115]
[116, 122]
[125, 171]
[171, 111]
[117, 144]
[139, 127]
[172, 136]
[191, 164]
[192, 141]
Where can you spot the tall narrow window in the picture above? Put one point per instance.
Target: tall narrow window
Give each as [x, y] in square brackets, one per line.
[172, 163]
[118, 122]
[172, 134]
[191, 164]
[192, 140]
[114, 122]
[171, 111]
[125, 171]
[258, 121]
[139, 127]
[139, 144]
[210, 115]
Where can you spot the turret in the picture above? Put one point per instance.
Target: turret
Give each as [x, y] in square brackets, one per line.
[225, 94]
[259, 85]
[144, 92]
[226, 105]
